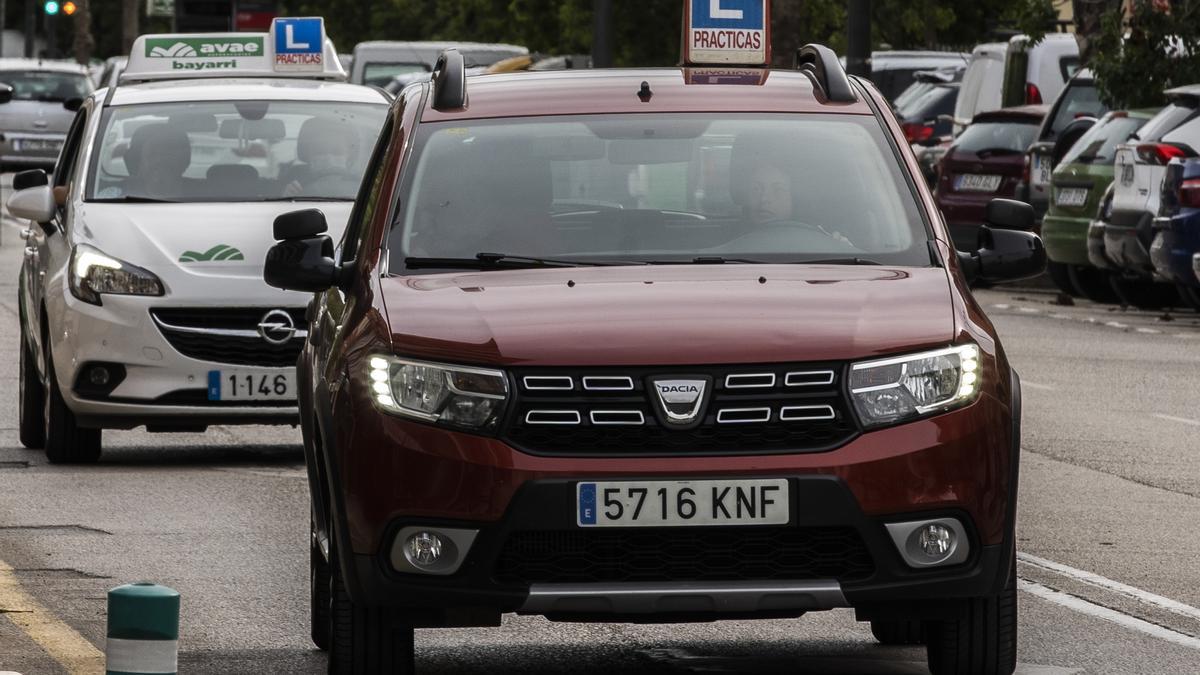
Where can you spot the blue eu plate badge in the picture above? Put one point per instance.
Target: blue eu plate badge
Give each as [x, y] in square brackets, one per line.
[587, 503]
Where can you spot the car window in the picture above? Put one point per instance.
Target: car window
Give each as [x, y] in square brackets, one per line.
[1079, 99]
[1006, 135]
[1068, 66]
[1187, 134]
[937, 100]
[68, 158]
[672, 187]
[379, 74]
[980, 90]
[1099, 144]
[1167, 119]
[45, 85]
[913, 91]
[368, 193]
[233, 150]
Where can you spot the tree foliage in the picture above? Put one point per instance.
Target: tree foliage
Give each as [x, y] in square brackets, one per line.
[1158, 49]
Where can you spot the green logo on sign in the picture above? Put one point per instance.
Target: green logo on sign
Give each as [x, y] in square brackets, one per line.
[191, 48]
[219, 252]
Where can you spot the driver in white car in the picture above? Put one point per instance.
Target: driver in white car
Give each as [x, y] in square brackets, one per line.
[326, 151]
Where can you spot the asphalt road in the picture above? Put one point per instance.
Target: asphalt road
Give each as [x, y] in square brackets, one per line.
[1110, 546]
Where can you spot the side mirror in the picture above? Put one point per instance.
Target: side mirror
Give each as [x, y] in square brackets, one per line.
[1070, 135]
[303, 259]
[30, 178]
[302, 224]
[73, 104]
[1010, 214]
[6, 93]
[1004, 255]
[33, 203]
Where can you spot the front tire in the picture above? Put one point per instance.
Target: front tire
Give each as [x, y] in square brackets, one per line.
[982, 643]
[66, 441]
[898, 632]
[366, 639]
[1093, 284]
[320, 588]
[31, 400]
[1190, 296]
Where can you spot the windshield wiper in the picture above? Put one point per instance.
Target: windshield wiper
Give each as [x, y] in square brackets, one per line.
[302, 198]
[838, 261]
[134, 199]
[490, 261]
[704, 260]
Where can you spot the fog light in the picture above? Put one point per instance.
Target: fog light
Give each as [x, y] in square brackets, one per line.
[936, 541]
[424, 548]
[98, 375]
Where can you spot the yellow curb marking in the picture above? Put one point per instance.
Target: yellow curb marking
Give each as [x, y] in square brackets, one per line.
[60, 641]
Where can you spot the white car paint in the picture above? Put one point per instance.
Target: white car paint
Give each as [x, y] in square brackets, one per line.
[981, 84]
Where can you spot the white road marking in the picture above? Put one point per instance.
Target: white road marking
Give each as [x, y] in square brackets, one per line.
[1149, 331]
[1111, 615]
[1029, 310]
[1181, 420]
[1035, 385]
[1001, 306]
[1108, 584]
[1115, 324]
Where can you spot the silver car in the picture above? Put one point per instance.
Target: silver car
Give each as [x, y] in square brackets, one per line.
[34, 123]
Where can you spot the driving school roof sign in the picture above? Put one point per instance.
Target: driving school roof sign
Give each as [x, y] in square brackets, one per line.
[727, 32]
[295, 47]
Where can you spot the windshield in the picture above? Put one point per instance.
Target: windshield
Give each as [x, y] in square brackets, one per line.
[937, 100]
[233, 151]
[1014, 135]
[44, 85]
[664, 188]
[1099, 144]
[381, 74]
[1080, 99]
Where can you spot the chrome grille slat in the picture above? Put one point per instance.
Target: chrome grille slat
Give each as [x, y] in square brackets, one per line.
[743, 415]
[809, 378]
[634, 417]
[563, 417]
[616, 383]
[750, 381]
[548, 382]
[795, 413]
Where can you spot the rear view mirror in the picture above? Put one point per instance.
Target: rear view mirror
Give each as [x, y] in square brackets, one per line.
[73, 104]
[30, 178]
[33, 203]
[1010, 214]
[1004, 255]
[303, 259]
[6, 93]
[302, 224]
[1070, 135]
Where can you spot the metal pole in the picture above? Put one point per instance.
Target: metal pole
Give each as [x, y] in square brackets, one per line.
[3, 24]
[858, 38]
[602, 50]
[30, 27]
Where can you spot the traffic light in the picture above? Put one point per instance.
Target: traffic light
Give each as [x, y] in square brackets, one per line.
[51, 7]
[69, 8]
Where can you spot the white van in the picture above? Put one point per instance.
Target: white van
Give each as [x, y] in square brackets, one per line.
[1038, 74]
[981, 85]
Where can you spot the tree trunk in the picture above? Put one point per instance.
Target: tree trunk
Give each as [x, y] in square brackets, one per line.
[129, 23]
[84, 44]
[1088, 14]
[786, 32]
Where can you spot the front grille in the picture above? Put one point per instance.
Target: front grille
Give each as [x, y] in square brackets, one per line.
[229, 335]
[614, 411]
[684, 554]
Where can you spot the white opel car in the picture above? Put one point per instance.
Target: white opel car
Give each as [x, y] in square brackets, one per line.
[141, 292]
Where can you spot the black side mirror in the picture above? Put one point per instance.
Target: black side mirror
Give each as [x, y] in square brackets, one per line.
[6, 93]
[1010, 214]
[1069, 136]
[29, 179]
[302, 224]
[73, 104]
[303, 259]
[1004, 255]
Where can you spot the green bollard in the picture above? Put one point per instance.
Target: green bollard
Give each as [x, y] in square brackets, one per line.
[143, 630]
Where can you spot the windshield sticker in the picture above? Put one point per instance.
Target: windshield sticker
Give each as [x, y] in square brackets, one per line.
[220, 252]
[191, 48]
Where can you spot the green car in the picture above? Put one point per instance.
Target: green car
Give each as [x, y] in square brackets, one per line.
[1077, 186]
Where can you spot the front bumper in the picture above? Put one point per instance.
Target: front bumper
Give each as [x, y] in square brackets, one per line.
[958, 465]
[161, 389]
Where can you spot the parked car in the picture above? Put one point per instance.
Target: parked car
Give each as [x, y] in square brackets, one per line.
[984, 162]
[981, 84]
[1177, 229]
[1037, 74]
[34, 123]
[925, 114]
[377, 63]
[1140, 166]
[1074, 112]
[1079, 183]
[893, 71]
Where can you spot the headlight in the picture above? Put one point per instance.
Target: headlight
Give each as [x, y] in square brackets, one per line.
[454, 395]
[897, 389]
[93, 272]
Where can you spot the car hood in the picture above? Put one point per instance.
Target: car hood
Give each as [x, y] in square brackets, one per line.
[669, 315]
[201, 250]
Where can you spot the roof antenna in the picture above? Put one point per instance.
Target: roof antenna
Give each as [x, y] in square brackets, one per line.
[644, 93]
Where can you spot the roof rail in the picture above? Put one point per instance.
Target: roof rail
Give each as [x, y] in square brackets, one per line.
[822, 64]
[449, 81]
